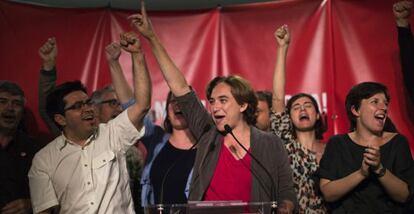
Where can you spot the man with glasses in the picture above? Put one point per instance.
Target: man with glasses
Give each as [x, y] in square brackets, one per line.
[106, 103]
[84, 169]
[105, 100]
[16, 151]
[107, 107]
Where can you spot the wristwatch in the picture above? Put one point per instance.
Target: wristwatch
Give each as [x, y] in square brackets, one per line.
[381, 172]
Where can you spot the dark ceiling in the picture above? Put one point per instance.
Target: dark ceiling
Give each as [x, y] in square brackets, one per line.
[134, 4]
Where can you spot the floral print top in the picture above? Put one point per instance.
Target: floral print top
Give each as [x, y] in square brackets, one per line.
[304, 166]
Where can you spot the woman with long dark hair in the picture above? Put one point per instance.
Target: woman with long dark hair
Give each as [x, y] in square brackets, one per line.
[301, 125]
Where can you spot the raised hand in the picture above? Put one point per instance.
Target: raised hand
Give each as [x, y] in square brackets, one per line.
[48, 53]
[113, 51]
[130, 42]
[142, 23]
[402, 12]
[282, 36]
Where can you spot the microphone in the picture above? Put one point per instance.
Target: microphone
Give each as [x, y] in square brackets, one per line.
[229, 130]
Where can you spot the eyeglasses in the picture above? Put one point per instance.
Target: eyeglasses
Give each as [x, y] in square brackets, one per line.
[111, 102]
[14, 102]
[79, 105]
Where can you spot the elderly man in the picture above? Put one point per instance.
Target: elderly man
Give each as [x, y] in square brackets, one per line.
[16, 151]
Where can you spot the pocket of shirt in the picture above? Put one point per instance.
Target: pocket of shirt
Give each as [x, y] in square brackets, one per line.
[103, 159]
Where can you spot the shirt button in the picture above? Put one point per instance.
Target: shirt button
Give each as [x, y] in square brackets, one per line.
[86, 165]
[89, 183]
[91, 203]
[104, 160]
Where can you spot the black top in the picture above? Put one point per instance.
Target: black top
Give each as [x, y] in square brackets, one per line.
[15, 162]
[181, 162]
[343, 156]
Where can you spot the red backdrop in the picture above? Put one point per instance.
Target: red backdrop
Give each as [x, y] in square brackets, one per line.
[335, 44]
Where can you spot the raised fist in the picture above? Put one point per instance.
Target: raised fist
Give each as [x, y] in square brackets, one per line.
[282, 36]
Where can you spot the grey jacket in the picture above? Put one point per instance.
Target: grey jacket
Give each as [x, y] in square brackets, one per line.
[266, 147]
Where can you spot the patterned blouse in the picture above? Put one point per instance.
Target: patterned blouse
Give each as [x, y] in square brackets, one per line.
[303, 163]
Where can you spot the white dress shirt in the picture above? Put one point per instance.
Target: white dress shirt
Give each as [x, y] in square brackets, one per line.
[88, 179]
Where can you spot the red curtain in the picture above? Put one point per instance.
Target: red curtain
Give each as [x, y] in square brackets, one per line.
[335, 44]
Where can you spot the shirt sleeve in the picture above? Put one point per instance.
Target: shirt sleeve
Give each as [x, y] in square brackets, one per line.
[198, 119]
[281, 125]
[404, 165]
[406, 45]
[328, 163]
[47, 82]
[122, 133]
[42, 193]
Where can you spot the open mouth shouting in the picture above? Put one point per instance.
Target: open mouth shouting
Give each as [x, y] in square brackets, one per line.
[178, 112]
[304, 117]
[380, 118]
[218, 118]
[9, 118]
[89, 117]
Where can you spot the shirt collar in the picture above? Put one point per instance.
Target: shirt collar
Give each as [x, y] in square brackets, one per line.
[66, 141]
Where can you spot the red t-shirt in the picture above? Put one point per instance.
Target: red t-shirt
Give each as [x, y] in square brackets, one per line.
[232, 179]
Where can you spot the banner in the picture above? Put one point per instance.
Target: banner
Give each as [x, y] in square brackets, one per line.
[334, 45]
